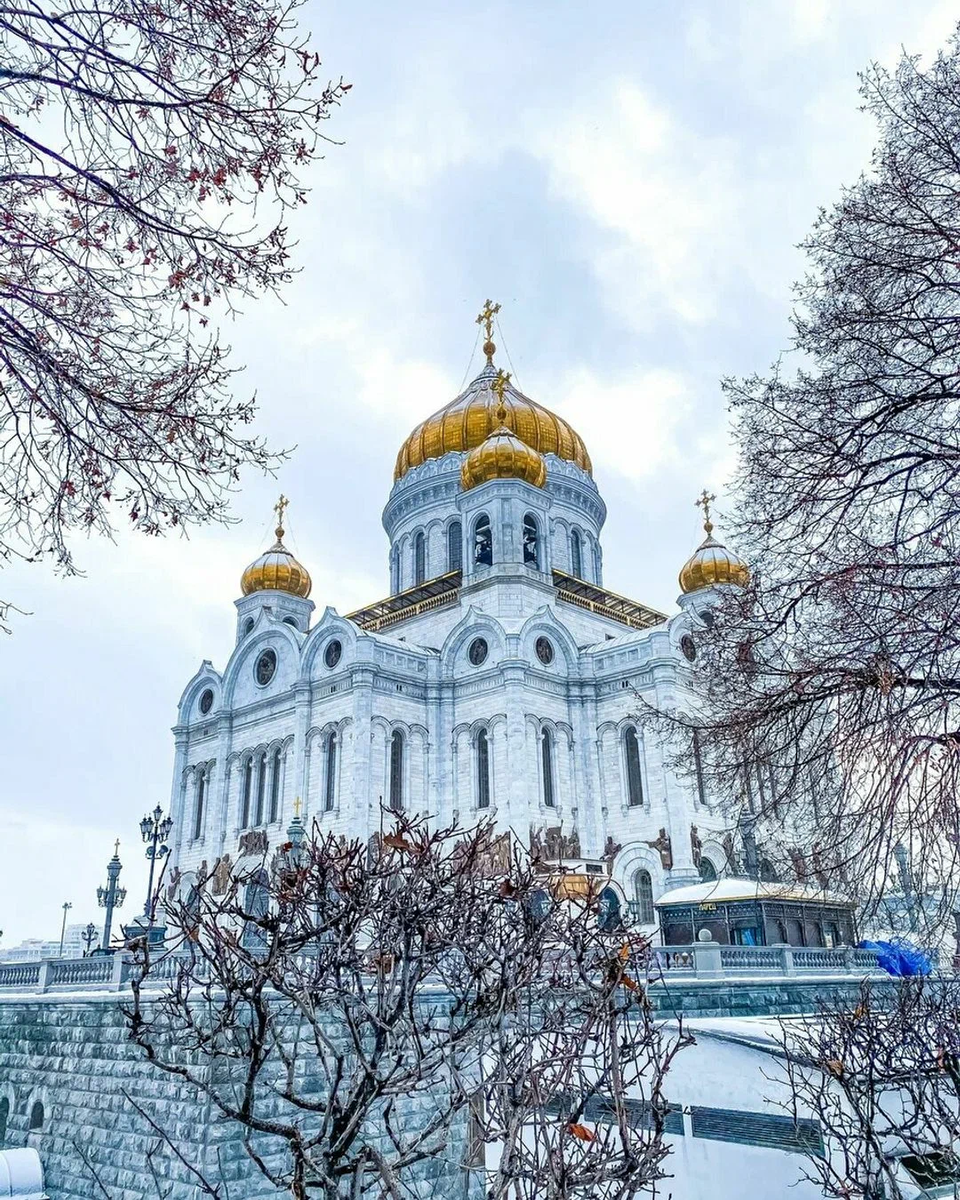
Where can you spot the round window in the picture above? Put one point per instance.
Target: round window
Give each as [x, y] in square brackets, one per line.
[689, 647]
[478, 651]
[545, 650]
[331, 656]
[266, 667]
[206, 701]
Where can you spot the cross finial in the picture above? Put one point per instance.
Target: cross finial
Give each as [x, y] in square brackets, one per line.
[280, 508]
[116, 848]
[487, 313]
[499, 384]
[704, 500]
[296, 807]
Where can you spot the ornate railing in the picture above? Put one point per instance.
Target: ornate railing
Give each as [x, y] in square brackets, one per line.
[19, 975]
[702, 960]
[710, 960]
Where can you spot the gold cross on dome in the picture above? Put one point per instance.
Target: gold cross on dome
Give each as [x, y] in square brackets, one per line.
[487, 313]
[280, 508]
[296, 807]
[499, 385]
[704, 500]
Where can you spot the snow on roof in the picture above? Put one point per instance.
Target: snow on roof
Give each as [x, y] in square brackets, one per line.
[718, 890]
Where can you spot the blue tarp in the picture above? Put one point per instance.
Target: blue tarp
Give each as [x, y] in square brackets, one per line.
[899, 958]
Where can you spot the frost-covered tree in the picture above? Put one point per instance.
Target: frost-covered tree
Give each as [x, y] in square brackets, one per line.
[833, 683]
[148, 155]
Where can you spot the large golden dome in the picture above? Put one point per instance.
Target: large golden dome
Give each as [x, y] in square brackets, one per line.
[471, 417]
[502, 456]
[276, 570]
[712, 563]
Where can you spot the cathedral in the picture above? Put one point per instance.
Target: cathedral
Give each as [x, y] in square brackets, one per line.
[499, 680]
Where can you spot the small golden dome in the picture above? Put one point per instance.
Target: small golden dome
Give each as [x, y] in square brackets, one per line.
[502, 456]
[469, 420]
[712, 563]
[276, 570]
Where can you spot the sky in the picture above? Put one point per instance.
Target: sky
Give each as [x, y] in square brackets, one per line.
[629, 179]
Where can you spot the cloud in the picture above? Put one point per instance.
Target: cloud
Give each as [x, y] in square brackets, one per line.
[669, 196]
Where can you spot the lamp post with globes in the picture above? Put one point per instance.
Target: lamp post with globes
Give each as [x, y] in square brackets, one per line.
[154, 829]
[89, 936]
[111, 896]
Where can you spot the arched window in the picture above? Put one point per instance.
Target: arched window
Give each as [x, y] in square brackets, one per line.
[261, 786]
[395, 570]
[708, 872]
[483, 541]
[275, 784]
[631, 751]
[4, 1114]
[454, 546]
[597, 563]
[396, 771]
[643, 888]
[256, 902]
[330, 782]
[531, 541]
[546, 757]
[608, 910]
[36, 1116]
[198, 804]
[246, 794]
[247, 626]
[483, 769]
[419, 558]
[576, 554]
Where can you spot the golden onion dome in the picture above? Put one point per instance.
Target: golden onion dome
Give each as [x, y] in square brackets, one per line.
[712, 563]
[276, 570]
[469, 420]
[502, 456]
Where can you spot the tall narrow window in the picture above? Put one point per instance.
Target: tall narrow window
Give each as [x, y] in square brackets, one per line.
[396, 771]
[483, 542]
[483, 769]
[261, 786]
[454, 546]
[36, 1116]
[546, 757]
[247, 791]
[419, 559]
[4, 1114]
[256, 902]
[631, 750]
[643, 887]
[395, 570]
[330, 783]
[698, 765]
[275, 784]
[531, 541]
[198, 804]
[576, 554]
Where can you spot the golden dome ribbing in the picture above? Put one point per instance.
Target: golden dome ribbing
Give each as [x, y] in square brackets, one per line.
[469, 419]
[712, 563]
[276, 570]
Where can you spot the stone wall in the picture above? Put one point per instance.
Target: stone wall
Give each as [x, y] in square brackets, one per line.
[751, 997]
[72, 1054]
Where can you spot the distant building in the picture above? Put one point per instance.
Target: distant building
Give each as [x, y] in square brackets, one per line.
[35, 949]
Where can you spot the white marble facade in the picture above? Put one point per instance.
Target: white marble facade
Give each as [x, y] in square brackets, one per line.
[501, 691]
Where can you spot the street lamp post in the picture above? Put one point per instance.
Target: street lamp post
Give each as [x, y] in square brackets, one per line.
[111, 896]
[154, 829]
[89, 936]
[63, 928]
